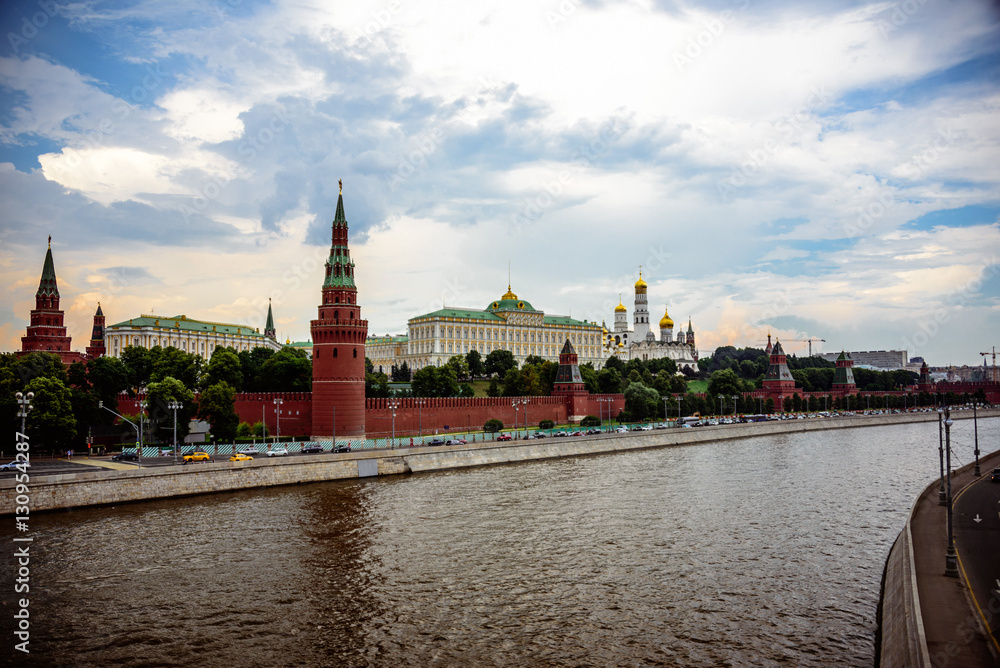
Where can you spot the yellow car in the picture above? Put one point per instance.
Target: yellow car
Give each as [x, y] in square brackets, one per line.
[197, 457]
[240, 457]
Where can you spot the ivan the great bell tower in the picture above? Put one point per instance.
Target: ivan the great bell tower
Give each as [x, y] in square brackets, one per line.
[338, 338]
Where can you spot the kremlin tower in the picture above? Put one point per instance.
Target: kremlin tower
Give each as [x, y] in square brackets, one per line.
[46, 332]
[338, 336]
[641, 314]
[96, 347]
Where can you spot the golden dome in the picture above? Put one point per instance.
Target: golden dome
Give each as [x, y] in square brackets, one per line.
[640, 285]
[509, 295]
[621, 307]
[665, 321]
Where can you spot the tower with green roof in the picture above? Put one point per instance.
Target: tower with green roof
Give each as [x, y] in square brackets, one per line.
[46, 331]
[269, 325]
[338, 336]
[843, 375]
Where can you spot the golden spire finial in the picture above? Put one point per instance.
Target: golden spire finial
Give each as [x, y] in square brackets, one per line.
[341, 184]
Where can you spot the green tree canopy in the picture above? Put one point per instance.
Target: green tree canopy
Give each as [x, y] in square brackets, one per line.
[725, 382]
[250, 364]
[216, 405]
[175, 363]
[499, 361]
[52, 422]
[475, 362]
[288, 370]
[160, 417]
[224, 367]
[432, 381]
[641, 402]
[139, 363]
[458, 364]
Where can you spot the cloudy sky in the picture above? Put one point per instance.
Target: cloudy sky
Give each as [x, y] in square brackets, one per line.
[821, 169]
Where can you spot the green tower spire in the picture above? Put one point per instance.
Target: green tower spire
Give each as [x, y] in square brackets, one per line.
[47, 287]
[269, 326]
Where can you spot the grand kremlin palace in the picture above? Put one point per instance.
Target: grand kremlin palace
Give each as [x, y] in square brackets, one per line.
[509, 323]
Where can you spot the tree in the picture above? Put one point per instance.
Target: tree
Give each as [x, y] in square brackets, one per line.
[51, 422]
[475, 363]
[615, 362]
[492, 426]
[216, 406]
[458, 364]
[376, 385]
[546, 424]
[641, 402]
[590, 421]
[250, 364]
[288, 370]
[40, 365]
[433, 381]
[533, 360]
[725, 382]
[609, 381]
[224, 367]
[588, 374]
[499, 361]
[401, 373]
[175, 363]
[108, 378]
[161, 418]
[465, 390]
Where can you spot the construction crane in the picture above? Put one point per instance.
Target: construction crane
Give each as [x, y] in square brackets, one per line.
[809, 341]
[992, 354]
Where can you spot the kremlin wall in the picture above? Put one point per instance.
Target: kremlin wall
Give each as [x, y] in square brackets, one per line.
[337, 407]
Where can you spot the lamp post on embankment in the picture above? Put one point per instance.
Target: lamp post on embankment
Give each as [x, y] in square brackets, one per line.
[100, 404]
[975, 426]
[942, 498]
[951, 559]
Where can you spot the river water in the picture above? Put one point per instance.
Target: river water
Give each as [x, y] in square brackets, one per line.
[761, 552]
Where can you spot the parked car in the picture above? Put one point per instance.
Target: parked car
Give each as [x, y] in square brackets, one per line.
[312, 448]
[996, 475]
[559, 434]
[340, 447]
[240, 457]
[621, 430]
[454, 441]
[13, 466]
[277, 451]
[439, 441]
[197, 456]
[539, 434]
[126, 457]
[249, 450]
[503, 437]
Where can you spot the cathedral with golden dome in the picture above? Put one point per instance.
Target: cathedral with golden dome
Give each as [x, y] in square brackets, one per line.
[640, 342]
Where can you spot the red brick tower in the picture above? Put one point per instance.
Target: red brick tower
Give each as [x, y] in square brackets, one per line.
[338, 337]
[96, 347]
[46, 332]
[569, 384]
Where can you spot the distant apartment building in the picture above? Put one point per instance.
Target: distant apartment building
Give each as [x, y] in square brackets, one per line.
[879, 359]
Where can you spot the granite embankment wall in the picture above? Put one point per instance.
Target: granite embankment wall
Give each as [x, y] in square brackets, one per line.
[105, 486]
[901, 641]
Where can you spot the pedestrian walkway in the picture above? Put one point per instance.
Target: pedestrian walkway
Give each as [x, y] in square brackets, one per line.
[103, 463]
[950, 624]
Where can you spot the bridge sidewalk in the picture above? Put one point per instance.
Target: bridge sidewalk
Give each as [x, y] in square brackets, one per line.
[950, 623]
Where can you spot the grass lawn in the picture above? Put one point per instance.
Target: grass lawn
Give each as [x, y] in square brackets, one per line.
[481, 387]
[697, 386]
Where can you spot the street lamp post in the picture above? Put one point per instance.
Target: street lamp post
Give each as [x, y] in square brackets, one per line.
[735, 397]
[951, 559]
[393, 404]
[277, 415]
[24, 407]
[721, 411]
[175, 406]
[100, 404]
[942, 499]
[142, 420]
[975, 426]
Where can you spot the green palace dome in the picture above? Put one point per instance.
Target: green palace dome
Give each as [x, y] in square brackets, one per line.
[510, 302]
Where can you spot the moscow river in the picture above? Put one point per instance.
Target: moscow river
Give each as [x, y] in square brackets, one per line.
[761, 552]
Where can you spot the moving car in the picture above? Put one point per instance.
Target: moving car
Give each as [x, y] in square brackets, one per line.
[503, 437]
[197, 456]
[440, 441]
[454, 441]
[312, 448]
[240, 457]
[996, 475]
[340, 447]
[125, 457]
[277, 451]
[249, 450]
[13, 466]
